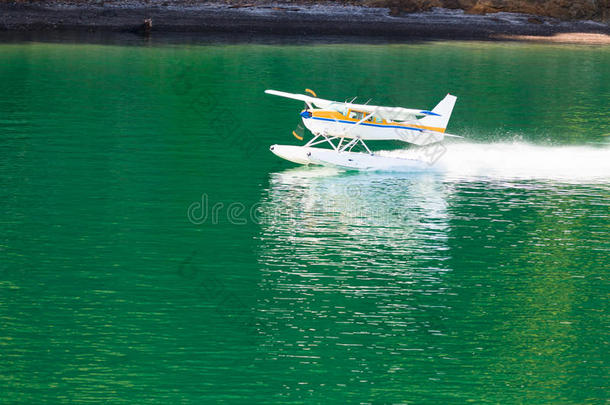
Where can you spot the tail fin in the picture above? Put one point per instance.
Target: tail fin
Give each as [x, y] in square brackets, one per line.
[443, 111]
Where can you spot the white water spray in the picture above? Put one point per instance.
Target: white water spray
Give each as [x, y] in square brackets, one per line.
[518, 160]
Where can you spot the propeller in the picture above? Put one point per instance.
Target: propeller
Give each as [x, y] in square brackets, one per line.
[313, 93]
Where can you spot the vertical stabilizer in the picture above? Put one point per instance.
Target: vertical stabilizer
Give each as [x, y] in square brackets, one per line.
[443, 109]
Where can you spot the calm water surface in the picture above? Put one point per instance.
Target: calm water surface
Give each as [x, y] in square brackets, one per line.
[153, 250]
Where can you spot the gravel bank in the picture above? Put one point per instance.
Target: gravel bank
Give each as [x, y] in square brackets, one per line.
[282, 20]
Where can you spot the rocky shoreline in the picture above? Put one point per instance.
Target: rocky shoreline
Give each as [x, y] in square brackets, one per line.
[156, 18]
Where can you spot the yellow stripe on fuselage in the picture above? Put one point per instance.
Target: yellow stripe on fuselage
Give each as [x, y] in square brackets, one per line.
[335, 115]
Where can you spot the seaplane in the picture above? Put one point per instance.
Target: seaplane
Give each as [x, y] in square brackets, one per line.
[345, 126]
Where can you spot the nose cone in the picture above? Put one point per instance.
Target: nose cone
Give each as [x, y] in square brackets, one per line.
[296, 154]
[305, 114]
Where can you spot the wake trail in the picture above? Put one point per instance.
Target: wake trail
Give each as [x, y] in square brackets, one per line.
[518, 160]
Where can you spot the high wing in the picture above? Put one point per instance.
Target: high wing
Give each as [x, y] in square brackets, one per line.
[387, 113]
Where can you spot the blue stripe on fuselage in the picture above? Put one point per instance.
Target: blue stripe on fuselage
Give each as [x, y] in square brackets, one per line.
[367, 124]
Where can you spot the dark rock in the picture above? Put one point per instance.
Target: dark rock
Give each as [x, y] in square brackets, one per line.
[147, 26]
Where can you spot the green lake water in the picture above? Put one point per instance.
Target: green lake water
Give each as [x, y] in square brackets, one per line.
[153, 250]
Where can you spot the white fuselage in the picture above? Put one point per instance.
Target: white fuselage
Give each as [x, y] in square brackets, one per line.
[343, 127]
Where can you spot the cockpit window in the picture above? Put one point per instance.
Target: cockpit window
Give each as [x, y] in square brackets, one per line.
[356, 115]
[374, 118]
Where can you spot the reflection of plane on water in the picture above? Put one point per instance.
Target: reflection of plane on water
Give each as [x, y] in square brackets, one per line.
[346, 125]
[359, 259]
[314, 209]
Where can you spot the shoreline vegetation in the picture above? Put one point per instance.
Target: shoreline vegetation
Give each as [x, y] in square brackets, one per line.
[386, 19]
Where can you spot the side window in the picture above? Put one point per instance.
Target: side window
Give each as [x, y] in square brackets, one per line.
[358, 115]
